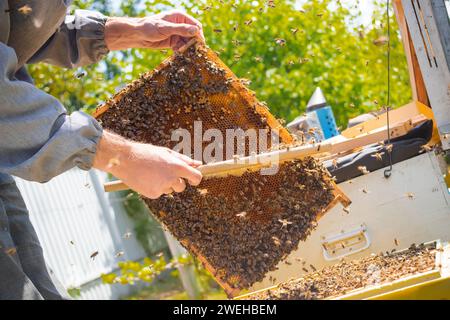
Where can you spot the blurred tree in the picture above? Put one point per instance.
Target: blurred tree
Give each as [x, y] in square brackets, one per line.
[285, 51]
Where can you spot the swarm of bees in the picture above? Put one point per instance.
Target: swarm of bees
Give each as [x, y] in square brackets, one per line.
[351, 275]
[242, 225]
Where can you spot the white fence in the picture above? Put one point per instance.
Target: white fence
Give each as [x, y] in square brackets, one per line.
[74, 219]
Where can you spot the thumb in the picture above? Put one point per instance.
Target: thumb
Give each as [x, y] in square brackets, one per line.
[180, 29]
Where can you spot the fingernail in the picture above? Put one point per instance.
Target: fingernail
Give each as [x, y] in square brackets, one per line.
[192, 30]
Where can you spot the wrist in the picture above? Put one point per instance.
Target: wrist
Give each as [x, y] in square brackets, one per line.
[112, 153]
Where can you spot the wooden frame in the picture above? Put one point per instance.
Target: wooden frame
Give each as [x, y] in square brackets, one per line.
[422, 36]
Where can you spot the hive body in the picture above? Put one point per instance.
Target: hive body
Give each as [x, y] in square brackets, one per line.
[239, 226]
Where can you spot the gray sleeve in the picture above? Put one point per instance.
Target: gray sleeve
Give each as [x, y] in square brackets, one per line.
[79, 41]
[38, 140]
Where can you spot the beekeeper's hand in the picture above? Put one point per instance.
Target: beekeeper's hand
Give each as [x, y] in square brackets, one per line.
[145, 168]
[170, 29]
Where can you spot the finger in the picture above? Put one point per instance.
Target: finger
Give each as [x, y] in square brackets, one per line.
[186, 159]
[193, 175]
[178, 43]
[180, 29]
[179, 185]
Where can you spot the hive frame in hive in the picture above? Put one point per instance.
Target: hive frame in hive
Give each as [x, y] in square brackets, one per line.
[285, 136]
[440, 272]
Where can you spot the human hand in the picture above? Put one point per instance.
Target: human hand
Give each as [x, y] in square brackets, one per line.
[171, 29]
[150, 170]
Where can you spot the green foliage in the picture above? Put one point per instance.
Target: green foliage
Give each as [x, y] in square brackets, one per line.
[329, 50]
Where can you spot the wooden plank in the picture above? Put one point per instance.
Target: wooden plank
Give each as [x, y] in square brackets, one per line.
[419, 91]
[432, 60]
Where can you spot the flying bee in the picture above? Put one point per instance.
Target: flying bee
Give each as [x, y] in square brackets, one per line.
[258, 59]
[396, 242]
[410, 195]
[378, 156]
[217, 30]
[346, 210]
[25, 10]
[119, 254]
[381, 41]
[11, 251]
[127, 235]
[248, 22]
[281, 42]
[294, 30]
[80, 74]
[93, 255]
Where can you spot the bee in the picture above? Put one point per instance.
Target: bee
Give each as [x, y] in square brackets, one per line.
[243, 214]
[294, 30]
[313, 268]
[276, 241]
[284, 222]
[217, 30]
[364, 191]
[305, 270]
[25, 10]
[367, 63]
[378, 156]
[93, 255]
[113, 162]
[80, 74]
[258, 59]
[281, 42]
[389, 148]
[207, 8]
[410, 195]
[363, 169]
[381, 41]
[248, 22]
[72, 242]
[346, 210]
[335, 164]
[426, 148]
[203, 192]
[11, 251]
[245, 82]
[127, 235]
[351, 105]
[396, 242]
[119, 254]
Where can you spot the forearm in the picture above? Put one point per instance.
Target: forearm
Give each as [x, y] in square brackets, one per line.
[38, 139]
[123, 33]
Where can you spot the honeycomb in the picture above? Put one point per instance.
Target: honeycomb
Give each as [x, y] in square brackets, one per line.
[239, 227]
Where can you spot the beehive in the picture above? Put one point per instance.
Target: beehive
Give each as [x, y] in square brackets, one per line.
[239, 226]
[384, 275]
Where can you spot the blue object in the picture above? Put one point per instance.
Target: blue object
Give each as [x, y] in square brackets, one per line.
[319, 109]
